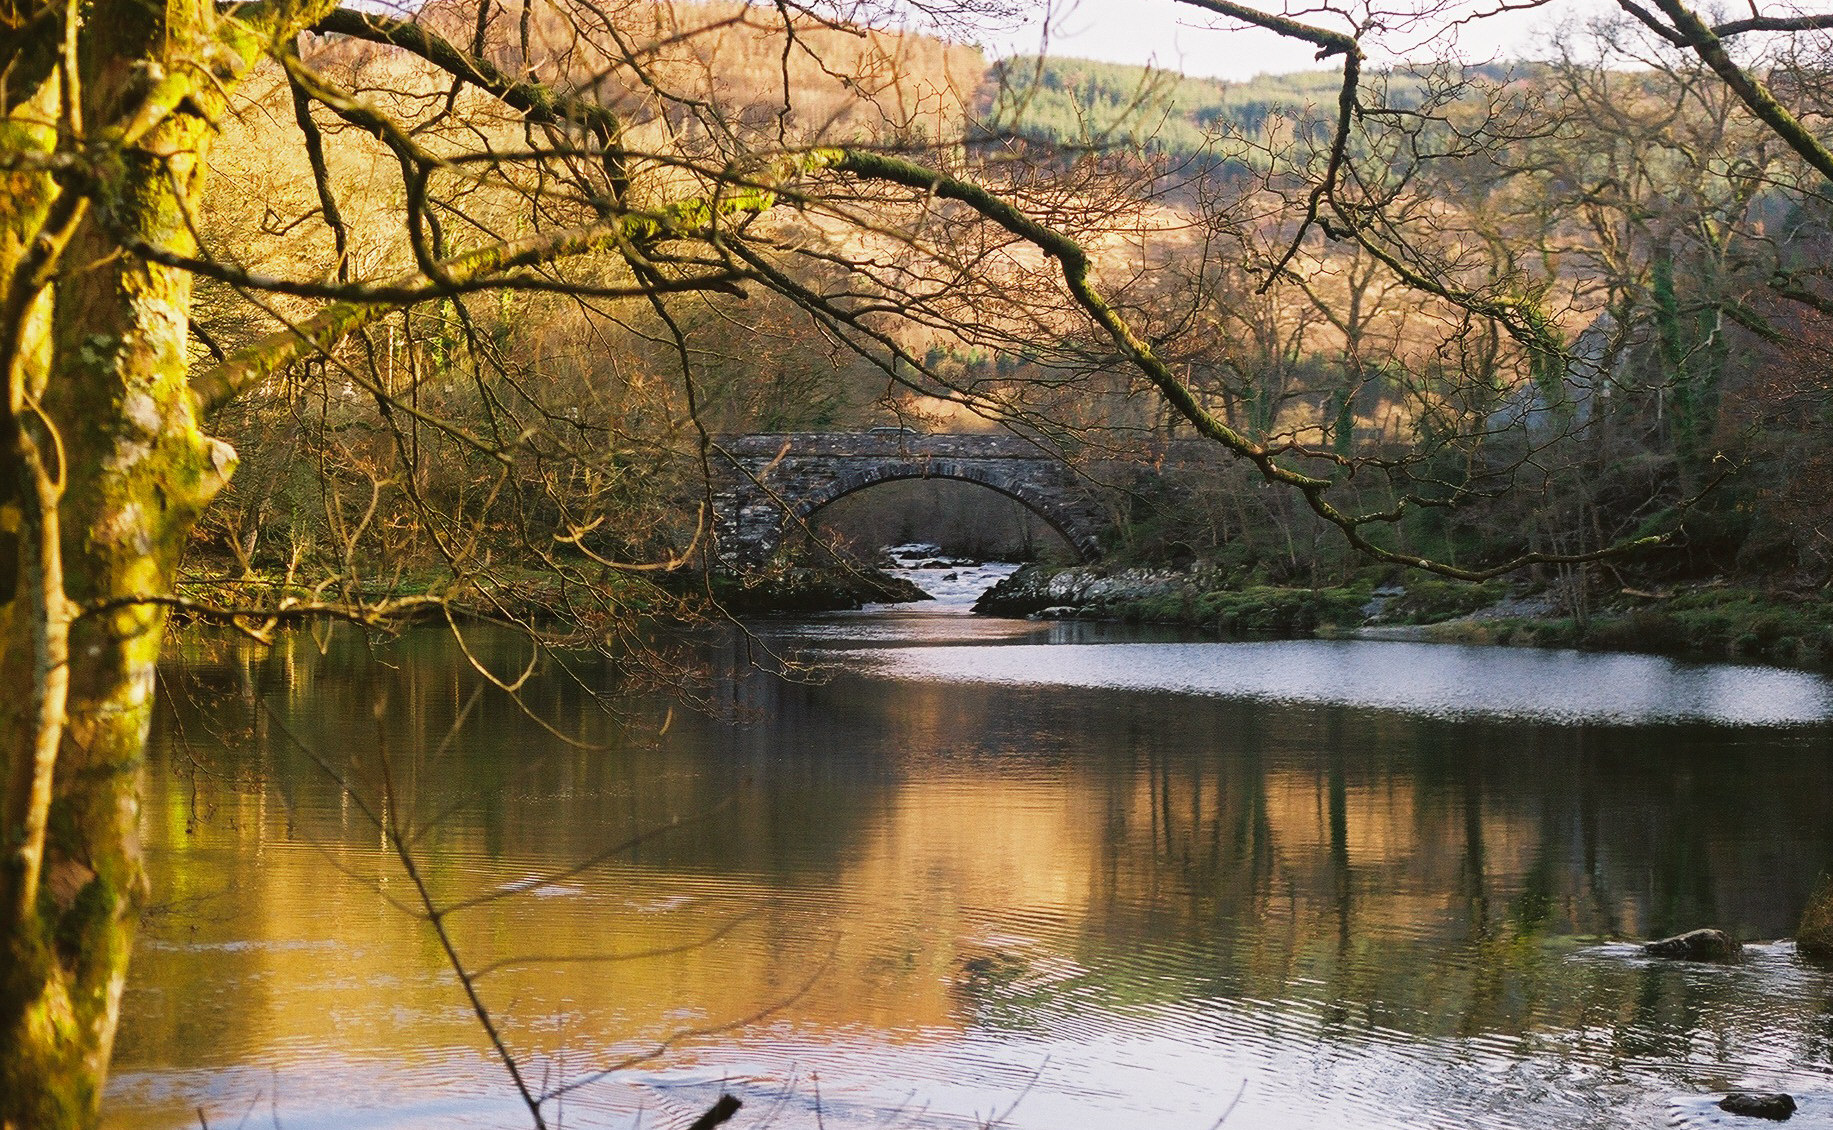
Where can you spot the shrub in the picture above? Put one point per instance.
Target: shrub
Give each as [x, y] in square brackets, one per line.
[1427, 600]
[1642, 630]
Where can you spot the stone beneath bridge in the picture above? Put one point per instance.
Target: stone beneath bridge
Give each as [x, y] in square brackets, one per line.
[769, 484]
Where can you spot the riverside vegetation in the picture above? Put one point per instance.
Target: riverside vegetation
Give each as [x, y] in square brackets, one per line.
[1713, 620]
[1690, 402]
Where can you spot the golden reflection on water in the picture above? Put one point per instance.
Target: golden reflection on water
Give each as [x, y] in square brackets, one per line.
[885, 874]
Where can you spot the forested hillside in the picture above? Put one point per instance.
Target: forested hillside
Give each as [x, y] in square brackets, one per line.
[1081, 103]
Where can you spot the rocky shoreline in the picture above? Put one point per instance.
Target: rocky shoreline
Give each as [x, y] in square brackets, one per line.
[1716, 620]
[794, 590]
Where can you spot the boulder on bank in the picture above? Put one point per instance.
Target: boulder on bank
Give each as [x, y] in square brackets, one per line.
[1697, 945]
[1197, 597]
[1814, 937]
[1086, 589]
[1773, 1105]
[813, 590]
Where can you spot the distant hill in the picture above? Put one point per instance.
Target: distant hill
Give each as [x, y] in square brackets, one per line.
[669, 62]
[1083, 103]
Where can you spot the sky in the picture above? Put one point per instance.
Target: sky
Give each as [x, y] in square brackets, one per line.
[1177, 37]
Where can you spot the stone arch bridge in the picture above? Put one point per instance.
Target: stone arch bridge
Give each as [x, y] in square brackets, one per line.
[766, 484]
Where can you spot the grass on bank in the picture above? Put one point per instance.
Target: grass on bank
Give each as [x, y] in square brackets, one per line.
[1712, 620]
[1719, 623]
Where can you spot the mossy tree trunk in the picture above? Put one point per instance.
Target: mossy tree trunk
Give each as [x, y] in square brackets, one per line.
[103, 470]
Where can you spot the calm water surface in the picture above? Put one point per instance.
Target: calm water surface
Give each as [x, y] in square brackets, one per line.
[1057, 874]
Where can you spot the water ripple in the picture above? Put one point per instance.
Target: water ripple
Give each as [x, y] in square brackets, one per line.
[1441, 680]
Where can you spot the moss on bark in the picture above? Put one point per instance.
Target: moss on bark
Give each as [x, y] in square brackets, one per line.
[107, 373]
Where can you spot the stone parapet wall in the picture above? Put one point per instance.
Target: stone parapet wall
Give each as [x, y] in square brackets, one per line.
[954, 445]
[770, 482]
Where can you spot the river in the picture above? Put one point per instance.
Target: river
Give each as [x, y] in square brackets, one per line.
[958, 871]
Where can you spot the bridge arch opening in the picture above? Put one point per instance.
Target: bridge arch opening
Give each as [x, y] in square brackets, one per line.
[774, 484]
[963, 516]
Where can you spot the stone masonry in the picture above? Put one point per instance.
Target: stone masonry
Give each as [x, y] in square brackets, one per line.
[768, 483]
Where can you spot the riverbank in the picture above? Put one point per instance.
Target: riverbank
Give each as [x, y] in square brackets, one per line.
[804, 589]
[542, 596]
[1715, 620]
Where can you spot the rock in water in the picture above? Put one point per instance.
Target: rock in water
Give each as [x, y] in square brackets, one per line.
[1774, 1106]
[1696, 945]
[1814, 937]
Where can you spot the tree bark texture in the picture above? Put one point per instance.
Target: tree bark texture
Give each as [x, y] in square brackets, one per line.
[105, 471]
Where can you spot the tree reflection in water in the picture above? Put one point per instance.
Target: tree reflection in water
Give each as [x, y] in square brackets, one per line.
[1365, 915]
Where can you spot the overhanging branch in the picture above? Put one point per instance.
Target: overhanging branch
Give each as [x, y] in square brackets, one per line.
[1688, 30]
[246, 367]
[538, 102]
[1075, 265]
